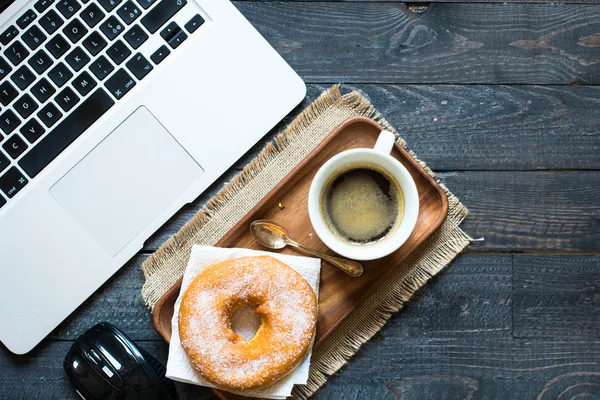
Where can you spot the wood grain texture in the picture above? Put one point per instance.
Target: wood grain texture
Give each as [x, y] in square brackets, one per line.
[482, 127]
[531, 211]
[477, 127]
[449, 43]
[557, 296]
[512, 210]
[472, 297]
[470, 368]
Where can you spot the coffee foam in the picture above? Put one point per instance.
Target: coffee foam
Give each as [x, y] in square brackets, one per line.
[362, 203]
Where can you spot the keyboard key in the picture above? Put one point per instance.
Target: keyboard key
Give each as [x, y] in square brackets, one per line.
[84, 83]
[57, 46]
[34, 37]
[42, 5]
[139, 66]
[109, 5]
[77, 59]
[177, 39]
[129, 12]
[25, 106]
[75, 30]
[23, 77]
[66, 99]
[135, 36]
[194, 23]
[160, 54]
[94, 43]
[7, 93]
[42, 90]
[145, 3]
[101, 67]
[120, 83]
[88, 112]
[5, 68]
[60, 74]
[68, 7]
[9, 121]
[16, 53]
[4, 162]
[92, 15]
[161, 13]
[2, 201]
[51, 22]
[49, 115]
[118, 52]
[111, 27]
[12, 182]
[32, 130]
[8, 35]
[15, 146]
[26, 19]
[170, 31]
[40, 62]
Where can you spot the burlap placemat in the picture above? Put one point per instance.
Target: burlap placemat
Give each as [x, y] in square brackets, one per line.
[222, 212]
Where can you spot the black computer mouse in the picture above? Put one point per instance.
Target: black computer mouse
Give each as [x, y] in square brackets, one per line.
[104, 364]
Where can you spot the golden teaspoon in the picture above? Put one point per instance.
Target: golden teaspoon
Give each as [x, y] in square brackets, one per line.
[274, 236]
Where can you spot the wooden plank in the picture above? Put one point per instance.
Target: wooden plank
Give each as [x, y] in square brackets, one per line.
[530, 211]
[450, 43]
[472, 297]
[490, 369]
[495, 127]
[392, 367]
[512, 210]
[557, 296]
[480, 127]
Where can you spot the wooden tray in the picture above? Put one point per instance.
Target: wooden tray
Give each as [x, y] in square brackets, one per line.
[286, 204]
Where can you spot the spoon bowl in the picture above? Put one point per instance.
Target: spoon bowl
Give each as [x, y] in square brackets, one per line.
[269, 234]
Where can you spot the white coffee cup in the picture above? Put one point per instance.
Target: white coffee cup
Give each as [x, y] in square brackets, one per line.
[380, 157]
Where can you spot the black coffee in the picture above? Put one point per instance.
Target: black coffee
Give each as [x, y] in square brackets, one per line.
[362, 203]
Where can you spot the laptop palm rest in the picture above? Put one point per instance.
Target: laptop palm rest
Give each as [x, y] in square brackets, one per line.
[126, 181]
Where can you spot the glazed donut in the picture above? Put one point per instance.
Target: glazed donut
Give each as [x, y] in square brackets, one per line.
[285, 303]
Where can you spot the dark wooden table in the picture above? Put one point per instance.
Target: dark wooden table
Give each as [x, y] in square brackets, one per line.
[501, 99]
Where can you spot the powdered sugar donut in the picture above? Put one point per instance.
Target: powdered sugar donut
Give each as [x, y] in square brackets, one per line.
[285, 303]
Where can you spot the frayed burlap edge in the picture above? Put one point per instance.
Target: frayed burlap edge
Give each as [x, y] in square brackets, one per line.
[167, 264]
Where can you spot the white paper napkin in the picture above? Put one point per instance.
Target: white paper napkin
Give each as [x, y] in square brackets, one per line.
[179, 368]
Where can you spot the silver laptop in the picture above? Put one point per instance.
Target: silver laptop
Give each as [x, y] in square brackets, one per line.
[114, 114]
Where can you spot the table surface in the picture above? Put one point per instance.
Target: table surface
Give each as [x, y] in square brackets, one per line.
[501, 100]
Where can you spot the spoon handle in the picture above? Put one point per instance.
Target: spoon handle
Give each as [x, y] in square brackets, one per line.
[352, 268]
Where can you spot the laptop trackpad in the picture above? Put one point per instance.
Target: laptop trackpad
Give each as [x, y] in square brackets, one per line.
[126, 181]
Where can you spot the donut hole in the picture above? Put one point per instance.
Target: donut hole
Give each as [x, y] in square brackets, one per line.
[244, 322]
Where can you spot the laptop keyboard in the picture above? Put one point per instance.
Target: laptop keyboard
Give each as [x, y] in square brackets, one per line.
[64, 64]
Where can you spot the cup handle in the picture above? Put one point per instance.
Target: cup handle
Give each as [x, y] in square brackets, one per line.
[385, 142]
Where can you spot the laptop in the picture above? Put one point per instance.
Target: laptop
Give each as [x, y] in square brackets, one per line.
[113, 115]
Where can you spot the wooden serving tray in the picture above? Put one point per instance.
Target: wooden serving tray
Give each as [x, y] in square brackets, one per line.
[286, 204]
